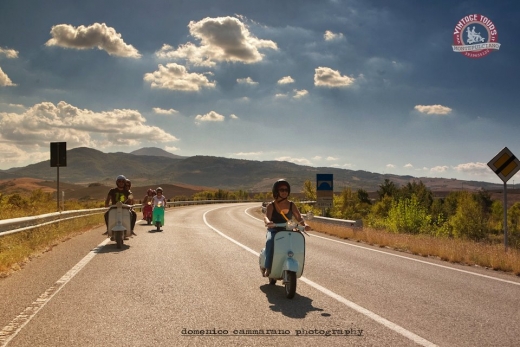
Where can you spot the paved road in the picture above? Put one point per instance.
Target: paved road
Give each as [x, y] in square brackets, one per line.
[200, 275]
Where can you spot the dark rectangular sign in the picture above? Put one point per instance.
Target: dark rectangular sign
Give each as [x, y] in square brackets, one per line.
[58, 154]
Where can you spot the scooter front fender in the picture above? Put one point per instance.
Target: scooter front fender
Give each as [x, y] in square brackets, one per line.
[291, 265]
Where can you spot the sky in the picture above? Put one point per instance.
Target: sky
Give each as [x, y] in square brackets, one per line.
[370, 85]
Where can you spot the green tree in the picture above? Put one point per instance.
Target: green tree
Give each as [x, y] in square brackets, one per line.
[387, 188]
[362, 196]
[409, 216]
[309, 191]
[422, 193]
[469, 220]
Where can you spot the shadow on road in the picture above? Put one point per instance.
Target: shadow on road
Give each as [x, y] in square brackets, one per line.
[297, 307]
[111, 247]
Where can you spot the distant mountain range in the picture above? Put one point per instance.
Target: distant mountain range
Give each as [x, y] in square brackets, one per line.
[152, 166]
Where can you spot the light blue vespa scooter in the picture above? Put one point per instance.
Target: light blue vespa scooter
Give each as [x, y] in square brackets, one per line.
[288, 256]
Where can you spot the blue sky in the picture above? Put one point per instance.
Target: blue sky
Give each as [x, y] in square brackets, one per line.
[362, 85]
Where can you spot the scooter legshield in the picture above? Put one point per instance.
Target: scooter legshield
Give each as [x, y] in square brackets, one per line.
[261, 258]
[126, 221]
[158, 215]
[285, 241]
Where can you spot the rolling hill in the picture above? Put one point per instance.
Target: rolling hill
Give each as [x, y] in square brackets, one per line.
[152, 166]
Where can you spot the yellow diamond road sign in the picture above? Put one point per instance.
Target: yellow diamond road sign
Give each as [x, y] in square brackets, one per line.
[505, 164]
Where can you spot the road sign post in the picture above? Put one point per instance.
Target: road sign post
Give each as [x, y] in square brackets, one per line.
[58, 158]
[324, 191]
[505, 165]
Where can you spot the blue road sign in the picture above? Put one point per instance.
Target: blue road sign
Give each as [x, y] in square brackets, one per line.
[324, 182]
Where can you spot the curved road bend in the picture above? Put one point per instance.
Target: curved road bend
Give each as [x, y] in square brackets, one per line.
[197, 283]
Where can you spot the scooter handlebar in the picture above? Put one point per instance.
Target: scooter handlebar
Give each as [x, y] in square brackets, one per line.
[298, 227]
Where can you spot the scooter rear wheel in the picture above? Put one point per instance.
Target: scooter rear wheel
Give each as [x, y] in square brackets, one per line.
[290, 286]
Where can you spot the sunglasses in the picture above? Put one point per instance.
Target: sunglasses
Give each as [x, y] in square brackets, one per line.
[283, 190]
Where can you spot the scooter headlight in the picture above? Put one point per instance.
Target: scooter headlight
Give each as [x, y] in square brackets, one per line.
[290, 254]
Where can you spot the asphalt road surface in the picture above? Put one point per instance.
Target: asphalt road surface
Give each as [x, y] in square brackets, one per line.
[197, 283]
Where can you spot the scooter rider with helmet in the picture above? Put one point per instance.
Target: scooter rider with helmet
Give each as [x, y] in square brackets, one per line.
[119, 193]
[148, 198]
[280, 210]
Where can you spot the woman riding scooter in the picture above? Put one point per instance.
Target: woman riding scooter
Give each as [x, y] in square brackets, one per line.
[281, 210]
[159, 203]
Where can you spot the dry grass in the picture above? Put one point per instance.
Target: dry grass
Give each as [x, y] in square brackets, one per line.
[452, 250]
[17, 249]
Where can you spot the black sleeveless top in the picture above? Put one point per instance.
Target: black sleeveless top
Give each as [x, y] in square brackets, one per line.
[278, 218]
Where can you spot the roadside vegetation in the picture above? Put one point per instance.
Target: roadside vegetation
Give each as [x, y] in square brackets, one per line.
[16, 249]
[464, 227]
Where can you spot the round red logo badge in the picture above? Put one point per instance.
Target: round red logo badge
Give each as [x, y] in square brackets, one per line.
[475, 36]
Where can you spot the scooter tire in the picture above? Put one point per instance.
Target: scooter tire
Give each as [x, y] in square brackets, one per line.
[290, 286]
[119, 239]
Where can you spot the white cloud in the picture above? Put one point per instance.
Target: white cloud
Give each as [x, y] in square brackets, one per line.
[443, 168]
[473, 168]
[212, 116]
[300, 93]
[5, 81]
[408, 166]
[14, 155]
[176, 77]
[247, 80]
[300, 161]
[96, 35]
[280, 95]
[326, 77]
[390, 166]
[331, 158]
[46, 122]
[317, 157]
[433, 109]
[171, 149]
[221, 39]
[285, 80]
[233, 116]
[247, 154]
[9, 53]
[163, 111]
[330, 36]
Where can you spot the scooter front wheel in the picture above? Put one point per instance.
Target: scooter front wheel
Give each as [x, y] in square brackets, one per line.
[290, 285]
[119, 239]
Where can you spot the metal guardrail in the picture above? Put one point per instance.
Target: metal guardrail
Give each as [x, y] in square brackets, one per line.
[15, 225]
[354, 223]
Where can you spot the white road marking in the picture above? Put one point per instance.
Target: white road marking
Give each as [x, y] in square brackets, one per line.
[392, 326]
[17, 324]
[405, 257]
